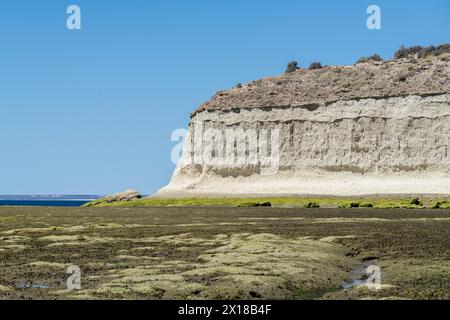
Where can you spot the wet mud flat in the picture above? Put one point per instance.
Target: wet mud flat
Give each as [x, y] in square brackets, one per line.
[223, 253]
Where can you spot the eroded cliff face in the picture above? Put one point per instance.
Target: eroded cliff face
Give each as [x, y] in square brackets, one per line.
[360, 143]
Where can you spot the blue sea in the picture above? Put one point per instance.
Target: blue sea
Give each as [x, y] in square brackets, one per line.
[46, 200]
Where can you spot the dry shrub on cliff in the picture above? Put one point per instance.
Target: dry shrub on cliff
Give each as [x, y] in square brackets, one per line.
[375, 57]
[404, 52]
[421, 52]
[443, 48]
[315, 66]
[292, 67]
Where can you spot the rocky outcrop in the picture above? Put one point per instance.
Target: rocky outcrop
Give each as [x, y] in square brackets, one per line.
[127, 195]
[372, 128]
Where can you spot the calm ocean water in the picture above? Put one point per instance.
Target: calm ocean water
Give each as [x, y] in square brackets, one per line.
[43, 203]
[62, 200]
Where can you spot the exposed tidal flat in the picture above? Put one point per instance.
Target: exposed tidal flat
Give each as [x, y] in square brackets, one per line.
[223, 253]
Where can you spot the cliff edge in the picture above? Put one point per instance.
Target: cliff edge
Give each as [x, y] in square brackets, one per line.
[377, 127]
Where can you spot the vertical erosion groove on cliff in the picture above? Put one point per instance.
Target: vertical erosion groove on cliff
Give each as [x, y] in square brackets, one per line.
[357, 131]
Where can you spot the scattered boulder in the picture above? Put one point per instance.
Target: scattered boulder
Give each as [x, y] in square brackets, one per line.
[311, 205]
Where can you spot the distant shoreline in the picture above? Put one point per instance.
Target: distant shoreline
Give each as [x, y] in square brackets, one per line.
[49, 196]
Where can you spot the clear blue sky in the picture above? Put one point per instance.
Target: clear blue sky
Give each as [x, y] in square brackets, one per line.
[92, 111]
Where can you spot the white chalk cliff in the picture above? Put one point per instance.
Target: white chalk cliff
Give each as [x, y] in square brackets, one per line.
[371, 128]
